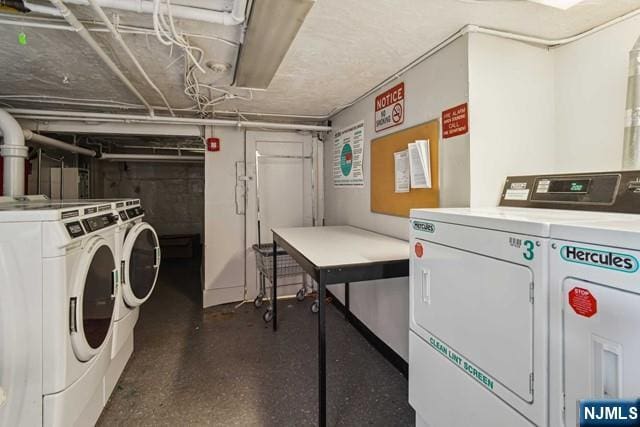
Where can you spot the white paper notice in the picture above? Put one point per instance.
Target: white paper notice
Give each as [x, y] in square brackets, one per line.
[348, 144]
[420, 164]
[402, 171]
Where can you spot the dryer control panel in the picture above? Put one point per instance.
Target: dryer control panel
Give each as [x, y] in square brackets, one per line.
[599, 191]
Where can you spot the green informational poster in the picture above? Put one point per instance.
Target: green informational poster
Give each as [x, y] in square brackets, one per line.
[347, 156]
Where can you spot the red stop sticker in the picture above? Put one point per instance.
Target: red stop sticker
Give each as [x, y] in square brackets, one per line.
[419, 250]
[583, 302]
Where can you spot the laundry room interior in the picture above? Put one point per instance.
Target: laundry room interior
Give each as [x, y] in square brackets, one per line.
[320, 212]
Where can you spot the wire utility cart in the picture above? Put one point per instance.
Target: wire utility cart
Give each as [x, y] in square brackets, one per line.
[286, 266]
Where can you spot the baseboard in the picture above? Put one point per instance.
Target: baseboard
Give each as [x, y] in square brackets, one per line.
[211, 297]
[394, 358]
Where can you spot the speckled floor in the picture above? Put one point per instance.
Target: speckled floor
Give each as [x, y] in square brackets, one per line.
[223, 366]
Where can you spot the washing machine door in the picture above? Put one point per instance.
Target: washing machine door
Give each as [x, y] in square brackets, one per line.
[140, 264]
[93, 299]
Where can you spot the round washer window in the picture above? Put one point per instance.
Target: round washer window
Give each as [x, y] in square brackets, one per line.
[142, 264]
[97, 299]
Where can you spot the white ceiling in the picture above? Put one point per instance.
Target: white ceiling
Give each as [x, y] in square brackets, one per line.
[344, 48]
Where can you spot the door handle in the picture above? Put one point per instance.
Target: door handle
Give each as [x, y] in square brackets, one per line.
[426, 286]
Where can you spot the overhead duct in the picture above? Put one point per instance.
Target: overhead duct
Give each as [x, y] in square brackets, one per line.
[274, 24]
[631, 149]
[14, 153]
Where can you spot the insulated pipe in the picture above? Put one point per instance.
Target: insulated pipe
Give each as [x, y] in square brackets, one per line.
[631, 149]
[84, 33]
[14, 152]
[125, 47]
[88, 116]
[54, 143]
[235, 17]
[150, 158]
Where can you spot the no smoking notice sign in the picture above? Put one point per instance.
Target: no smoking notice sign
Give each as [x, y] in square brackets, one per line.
[390, 108]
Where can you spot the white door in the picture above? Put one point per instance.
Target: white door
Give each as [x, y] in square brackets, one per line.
[283, 172]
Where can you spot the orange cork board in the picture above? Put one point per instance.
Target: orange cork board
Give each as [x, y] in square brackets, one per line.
[384, 199]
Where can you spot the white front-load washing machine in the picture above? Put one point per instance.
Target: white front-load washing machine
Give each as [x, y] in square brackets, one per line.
[595, 312]
[479, 340]
[59, 279]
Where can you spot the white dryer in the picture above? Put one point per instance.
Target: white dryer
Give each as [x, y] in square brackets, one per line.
[138, 254]
[59, 280]
[480, 332]
[595, 312]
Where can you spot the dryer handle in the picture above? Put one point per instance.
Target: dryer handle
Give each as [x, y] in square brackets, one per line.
[158, 256]
[73, 320]
[114, 283]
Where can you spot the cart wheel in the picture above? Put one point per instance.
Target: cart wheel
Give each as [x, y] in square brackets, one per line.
[267, 316]
[258, 301]
[315, 307]
[301, 294]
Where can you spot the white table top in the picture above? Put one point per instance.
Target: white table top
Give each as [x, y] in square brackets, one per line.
[343, 245]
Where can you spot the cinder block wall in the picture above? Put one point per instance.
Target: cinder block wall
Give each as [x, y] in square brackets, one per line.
[172, 194]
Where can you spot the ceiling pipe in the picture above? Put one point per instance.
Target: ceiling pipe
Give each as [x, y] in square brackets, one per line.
[631, 148]
[150, 158]
[84, 33]
[54, 143]
[235, 17]
[45, 10]
[14, 152]
[135, 118]
[125, 47]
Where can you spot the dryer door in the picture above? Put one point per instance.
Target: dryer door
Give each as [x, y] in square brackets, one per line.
[93, 299]
[140, 264]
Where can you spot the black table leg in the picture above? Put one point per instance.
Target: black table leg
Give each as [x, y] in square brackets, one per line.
[346, 301]
[274, 302]
[322, 351]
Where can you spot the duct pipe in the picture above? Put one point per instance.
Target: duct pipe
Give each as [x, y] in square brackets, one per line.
[149, 158]
[84, 33]
[235, 17]
[631, 149]
[54, 143]
[132, 118]
[14, 152]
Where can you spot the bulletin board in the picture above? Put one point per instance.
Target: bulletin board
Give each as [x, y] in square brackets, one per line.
[384, 199]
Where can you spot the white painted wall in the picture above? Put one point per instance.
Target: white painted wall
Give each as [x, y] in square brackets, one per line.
[224, 248]
[438, 83]
[590, 94]
[511, 113]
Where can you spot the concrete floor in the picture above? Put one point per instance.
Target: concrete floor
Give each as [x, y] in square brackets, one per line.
[224, 366]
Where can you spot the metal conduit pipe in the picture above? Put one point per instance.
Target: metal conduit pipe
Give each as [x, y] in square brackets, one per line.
[14, 152]
[125, 47]
[84, 33]
[631, 148]
[235, 17]
[133, 118]
[149, 158]
[54, 143]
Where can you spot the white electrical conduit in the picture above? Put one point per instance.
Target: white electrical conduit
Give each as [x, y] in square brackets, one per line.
[54, 143]
[150, 158]
[235, 17]
[125, 47]
[14, 152]
[89, 116]
[84, 33]
[45, 10]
